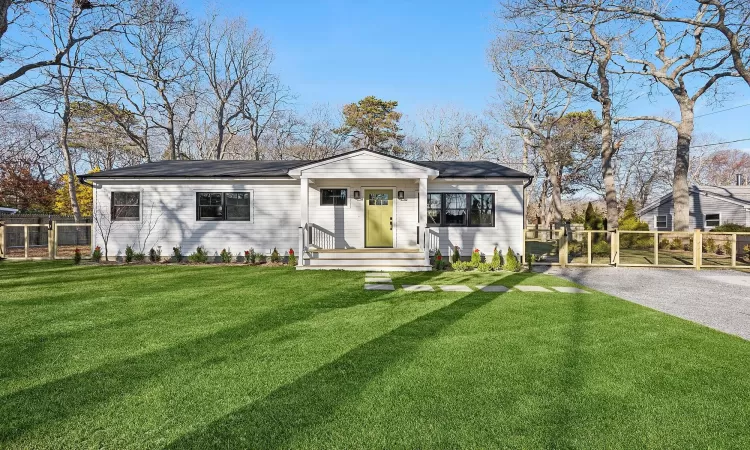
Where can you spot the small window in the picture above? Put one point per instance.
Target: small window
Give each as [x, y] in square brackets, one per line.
[661, 221]
[434, 209]
[713, 220]
[378, 199]
[482, 210]
[237, 205]
[126, 205]
[333, 197]
[455, 210]
[223, 206]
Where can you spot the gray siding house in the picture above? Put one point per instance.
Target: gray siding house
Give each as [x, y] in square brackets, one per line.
[710, 206]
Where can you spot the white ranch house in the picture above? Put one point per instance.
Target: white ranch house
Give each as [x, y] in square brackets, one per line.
[361, 210]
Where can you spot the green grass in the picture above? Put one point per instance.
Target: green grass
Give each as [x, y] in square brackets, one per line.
[240, 357]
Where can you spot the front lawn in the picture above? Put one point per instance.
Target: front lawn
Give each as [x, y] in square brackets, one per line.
[241, 357]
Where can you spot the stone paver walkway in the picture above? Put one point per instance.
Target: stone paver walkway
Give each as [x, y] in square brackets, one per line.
[532, 289]
[379, 287]
[381, 281]
[493, 288]
[570, 290]
[418, 287]
[455, 288]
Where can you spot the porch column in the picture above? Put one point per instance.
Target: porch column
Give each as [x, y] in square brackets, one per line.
[423, 218]
[304, 197]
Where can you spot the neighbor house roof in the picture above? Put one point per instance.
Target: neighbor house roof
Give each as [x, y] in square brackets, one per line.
[738, 195]
[273, 169]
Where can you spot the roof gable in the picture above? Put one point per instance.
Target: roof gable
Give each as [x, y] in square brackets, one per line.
[363, 163]
[719, 193]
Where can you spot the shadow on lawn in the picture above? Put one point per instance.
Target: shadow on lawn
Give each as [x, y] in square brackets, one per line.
[26, 409]
[274, 420]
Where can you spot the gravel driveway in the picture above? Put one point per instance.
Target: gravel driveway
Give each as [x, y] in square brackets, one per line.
[719, 299]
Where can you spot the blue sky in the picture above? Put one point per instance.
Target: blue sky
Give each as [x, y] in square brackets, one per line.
[421, 53]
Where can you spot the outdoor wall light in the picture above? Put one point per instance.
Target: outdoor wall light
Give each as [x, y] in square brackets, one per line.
[356, 195]
[400, 195]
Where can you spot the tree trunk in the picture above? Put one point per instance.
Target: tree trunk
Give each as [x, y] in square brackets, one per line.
[680, 188]
[256, 150]
[64, 129]
[608, 150]
[4, 6]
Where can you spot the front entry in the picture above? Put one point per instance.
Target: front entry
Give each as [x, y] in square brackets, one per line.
[379, 218]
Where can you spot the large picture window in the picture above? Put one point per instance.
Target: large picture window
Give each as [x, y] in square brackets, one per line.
[461, 210]
[126, 206]
[333, 197]
[223, 206]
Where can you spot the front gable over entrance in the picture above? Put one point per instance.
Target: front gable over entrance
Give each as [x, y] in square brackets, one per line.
[363, 164]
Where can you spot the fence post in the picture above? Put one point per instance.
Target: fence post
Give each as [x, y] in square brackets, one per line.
[698, 249]
[656, 248]
[26, 241]
[53, 254]
[50, 236]
[614, 247]
[2, 239]
[589, 247]
[734, 249]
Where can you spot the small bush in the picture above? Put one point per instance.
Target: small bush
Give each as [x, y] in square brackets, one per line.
[601, 248]
[177, 253]
[456, 254]
[484, 267]
[154, 255]
[709, 245]
[251, 256]
[676, 244]
[247, 256]
[462, 266]
[728, 248]
[97, 255]
[128, 254]
[439, 263]
[292, 259]
[139, 256]
[497, 260]
[476, 258]
[511, 262]
[226, 256]
[275, 256]
[664, 244]
[200, 256]
[747, 251]
[720, 250]
[261, 258]
[77, 256]
[730, 228]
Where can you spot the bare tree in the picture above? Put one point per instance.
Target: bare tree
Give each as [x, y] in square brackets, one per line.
[263, 100]
[680, 72]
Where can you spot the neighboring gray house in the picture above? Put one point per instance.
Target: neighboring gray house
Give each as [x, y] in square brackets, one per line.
[710, 206]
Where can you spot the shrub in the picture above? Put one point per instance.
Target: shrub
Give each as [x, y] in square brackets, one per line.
[462, 266]
[275, 256]
[200, 256]
[747, 251]
[676, 244]
[226, 256]
[688, 246]
[709, 245]
[177, 253]
[728, 248]
[730, 228]
[439, 263]
[251, 256]
[664, 244]
[497, 260]
[601, 248]
[128, 254]
[154, 255]
[97, 255]
[292, 259]
[247, 256]
[456, 254]
[530, 260]
[139, 256]
[476, 258]
[719, 249]
[261, 258]
[77, 256]
[511, 262]
[484, 267]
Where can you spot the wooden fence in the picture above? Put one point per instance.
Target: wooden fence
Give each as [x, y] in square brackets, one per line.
[49, 241]
[675, 249]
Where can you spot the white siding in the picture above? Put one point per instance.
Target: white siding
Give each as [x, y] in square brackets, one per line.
[275, 217]
[508, 229]
[343, 226]
[366, 165]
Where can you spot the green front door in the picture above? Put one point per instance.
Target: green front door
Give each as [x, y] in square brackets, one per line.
[379, 218]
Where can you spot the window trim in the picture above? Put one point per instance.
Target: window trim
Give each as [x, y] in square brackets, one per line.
[112, 206]
[223, 217]
[468, 224]
[346, 200]
[656, 221]
[705, 220]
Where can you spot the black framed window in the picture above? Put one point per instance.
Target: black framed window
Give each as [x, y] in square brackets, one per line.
[482, 210]
[461, 210]
[434, 209]
[222, 206]
[454, 210]
[333, 197]
[126, 206]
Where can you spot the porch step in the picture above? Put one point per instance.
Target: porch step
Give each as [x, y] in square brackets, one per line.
[365, 268]
[365, 259]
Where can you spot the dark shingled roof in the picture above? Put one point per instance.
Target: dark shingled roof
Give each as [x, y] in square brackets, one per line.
[262, 169]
